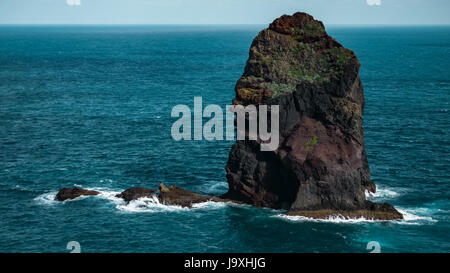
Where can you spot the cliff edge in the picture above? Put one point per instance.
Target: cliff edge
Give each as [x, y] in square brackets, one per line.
[320, 168]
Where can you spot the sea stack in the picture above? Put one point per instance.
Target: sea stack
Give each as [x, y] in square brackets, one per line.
[320, 167]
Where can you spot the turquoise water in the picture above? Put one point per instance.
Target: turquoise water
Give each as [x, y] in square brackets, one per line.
[90, 106]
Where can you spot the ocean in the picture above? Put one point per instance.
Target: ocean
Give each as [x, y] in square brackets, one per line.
[90, 106]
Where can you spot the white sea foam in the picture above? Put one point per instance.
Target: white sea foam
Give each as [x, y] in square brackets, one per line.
[410, 217]
[106, 193]
[153, 204]
[384, 193]
[416, 216]
[147, 204]
[144, 204]
[210, 205]
[107, 180]
[47, 198]
[150, 204]
[331, 219]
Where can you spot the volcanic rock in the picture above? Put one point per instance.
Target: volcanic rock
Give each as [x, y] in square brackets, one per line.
[169, 196]
[181, 197]
[72, 193]
[136, 193]
[320, 167]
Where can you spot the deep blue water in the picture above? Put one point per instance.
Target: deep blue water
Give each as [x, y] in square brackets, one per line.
[90, 106]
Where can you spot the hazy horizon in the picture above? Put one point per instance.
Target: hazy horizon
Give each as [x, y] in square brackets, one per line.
[212, 24]
[221, 12]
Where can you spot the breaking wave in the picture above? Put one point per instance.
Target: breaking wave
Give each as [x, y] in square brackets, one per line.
[384, 193]
[410, 217]
[47, 198]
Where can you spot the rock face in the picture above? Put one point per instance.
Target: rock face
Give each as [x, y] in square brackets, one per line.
[320, 167]
[72, 193]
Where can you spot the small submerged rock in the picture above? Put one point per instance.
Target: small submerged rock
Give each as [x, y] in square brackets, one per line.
[72, 193]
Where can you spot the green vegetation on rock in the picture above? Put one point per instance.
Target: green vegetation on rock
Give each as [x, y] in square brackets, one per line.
[287, 61]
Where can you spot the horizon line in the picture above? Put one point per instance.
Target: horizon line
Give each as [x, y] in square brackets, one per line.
[197, 24]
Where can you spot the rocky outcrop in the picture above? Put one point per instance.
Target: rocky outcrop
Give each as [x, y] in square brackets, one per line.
[136, 193]
[181, 197]
[170, 196]
[72, 193]
[320, 167]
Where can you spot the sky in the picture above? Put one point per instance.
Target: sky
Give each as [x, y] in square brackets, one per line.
[376, 12]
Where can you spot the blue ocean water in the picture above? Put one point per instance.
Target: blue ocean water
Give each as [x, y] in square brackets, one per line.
[90, 106]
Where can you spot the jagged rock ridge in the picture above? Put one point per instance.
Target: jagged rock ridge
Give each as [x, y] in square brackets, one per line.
[320, 167]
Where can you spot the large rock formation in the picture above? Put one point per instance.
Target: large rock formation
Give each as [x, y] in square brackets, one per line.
[320, 167]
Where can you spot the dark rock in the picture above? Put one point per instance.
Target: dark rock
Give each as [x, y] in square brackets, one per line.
[136, 193]
[72, 193]
[181, 197]
[169, 196]
[320, 166]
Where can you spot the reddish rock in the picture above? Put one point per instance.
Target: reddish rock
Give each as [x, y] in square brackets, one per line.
[320, 167]
[301, 26]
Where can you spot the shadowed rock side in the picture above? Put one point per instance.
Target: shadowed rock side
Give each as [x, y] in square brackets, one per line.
[320, 167]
